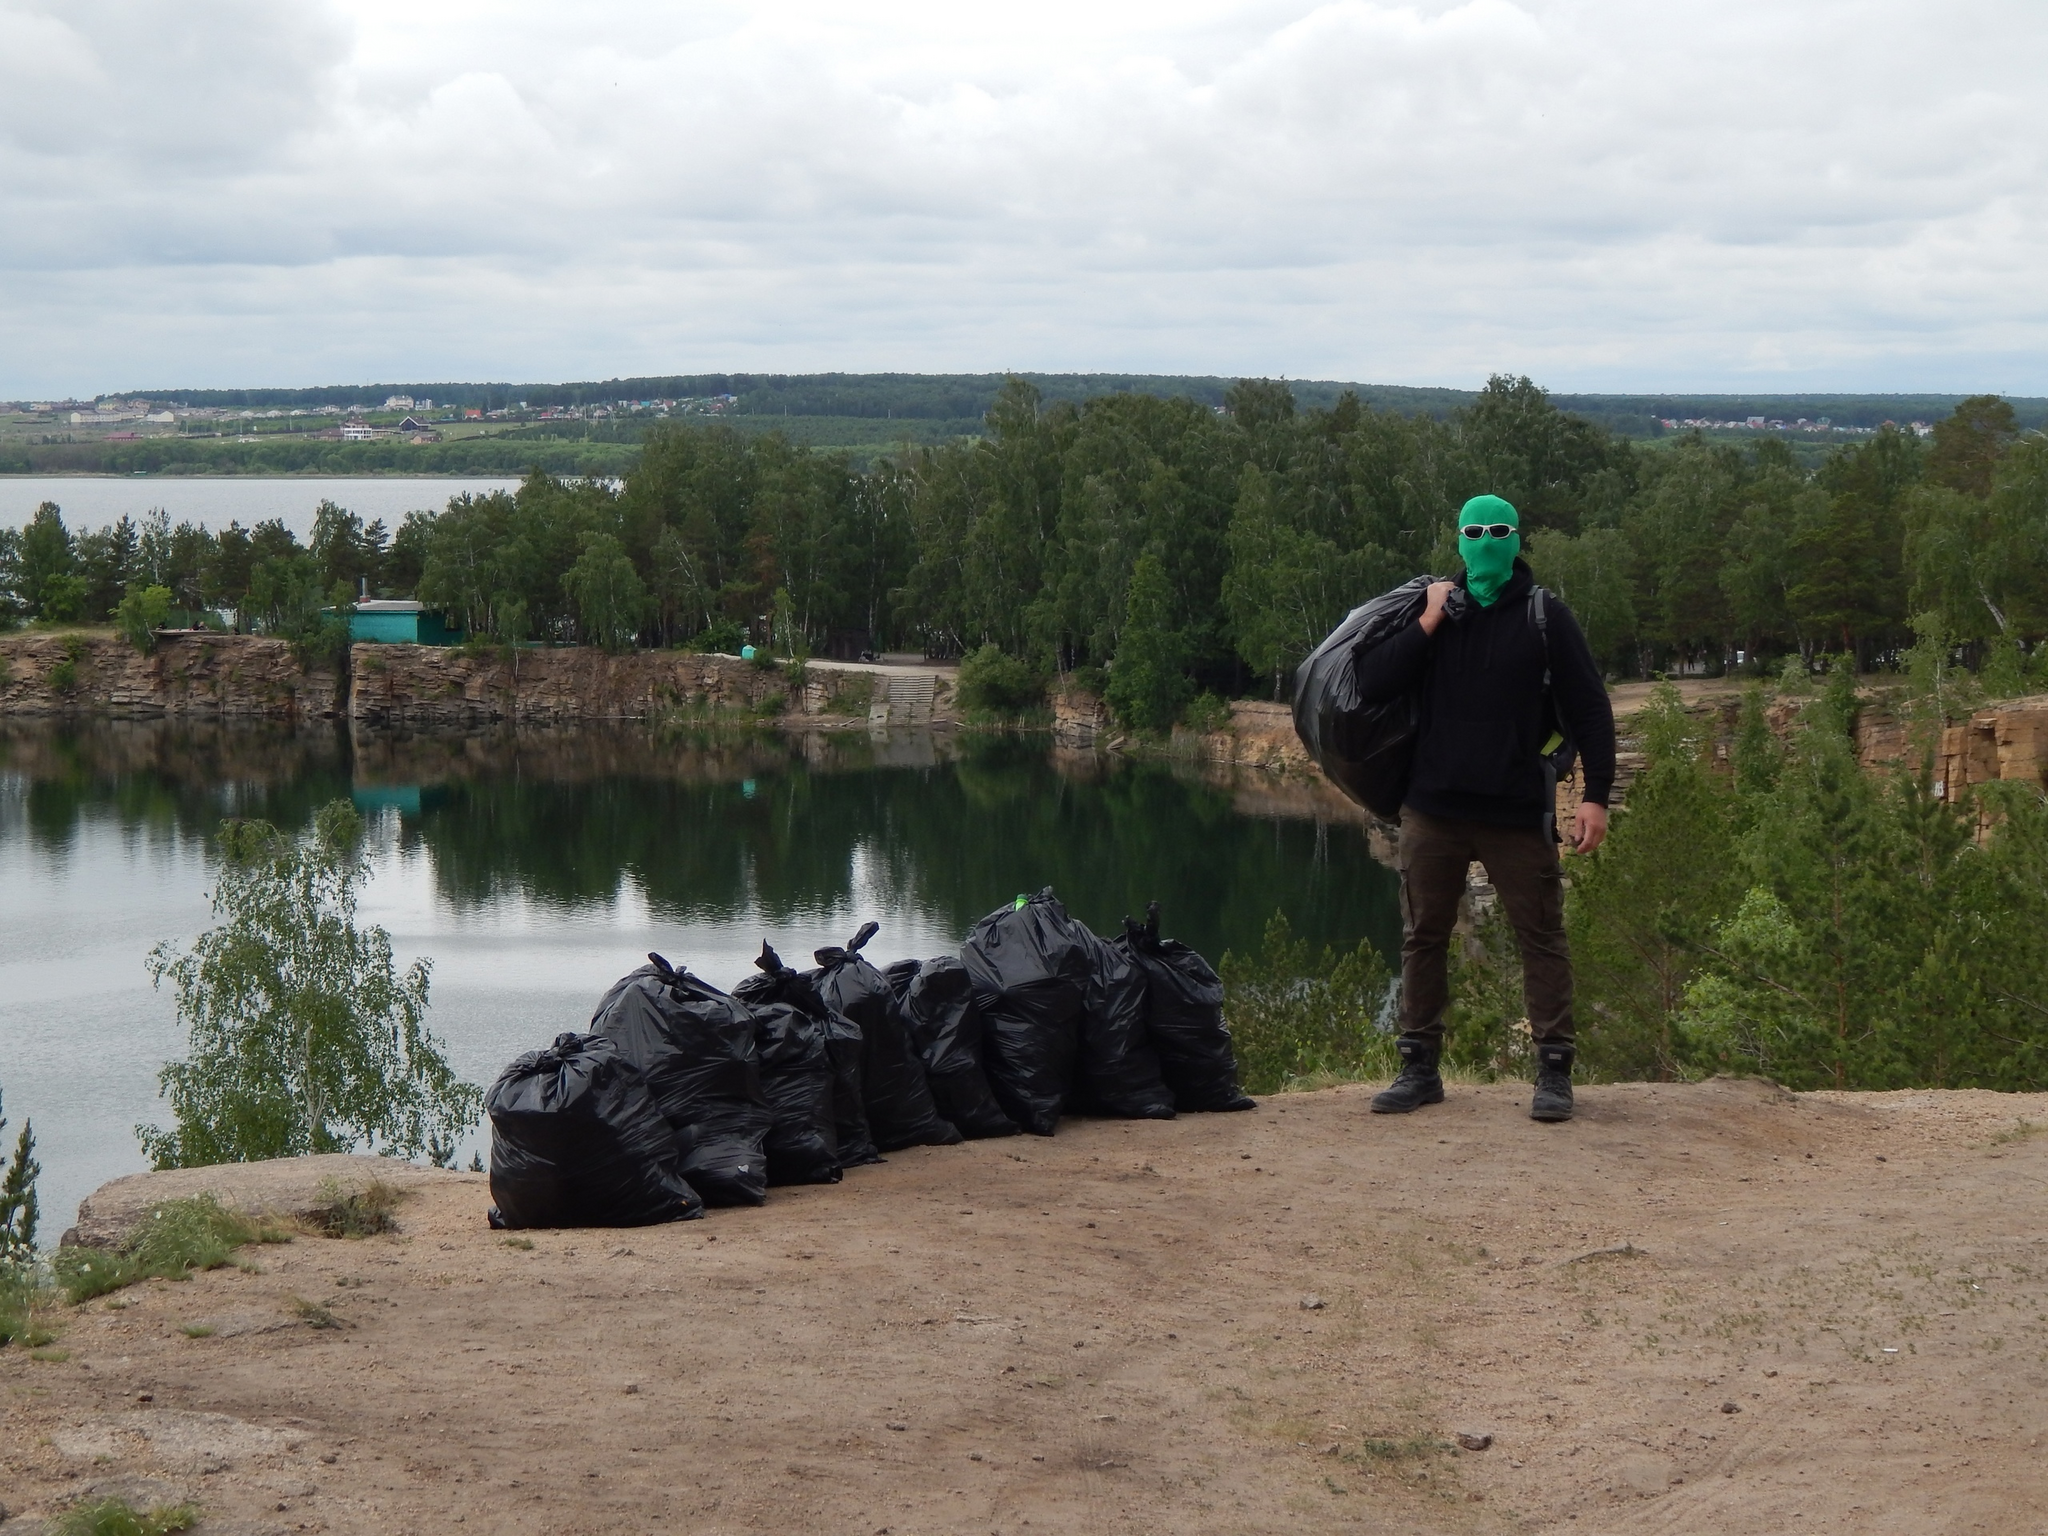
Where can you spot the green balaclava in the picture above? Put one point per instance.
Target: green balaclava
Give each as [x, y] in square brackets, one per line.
[1489, 562]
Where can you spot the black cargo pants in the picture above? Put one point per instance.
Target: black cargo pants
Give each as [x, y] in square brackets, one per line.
[1435, 854]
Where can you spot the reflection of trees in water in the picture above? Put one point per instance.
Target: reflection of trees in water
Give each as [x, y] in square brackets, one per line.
[163, 778]
[710, 826]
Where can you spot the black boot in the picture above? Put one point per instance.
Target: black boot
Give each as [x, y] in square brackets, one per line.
[1419, 1082]
[1553, 1100]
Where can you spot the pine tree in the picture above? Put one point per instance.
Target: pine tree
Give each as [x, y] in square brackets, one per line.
[18, 1208]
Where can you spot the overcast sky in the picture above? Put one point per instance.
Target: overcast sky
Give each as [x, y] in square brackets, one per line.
[1604, 194]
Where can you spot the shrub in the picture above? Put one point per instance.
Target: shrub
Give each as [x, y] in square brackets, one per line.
[143, 611]
[178, 1237]
[723, 638]
[1295, 1015]
[994, 682]
[1206, 714]
[1089, 679]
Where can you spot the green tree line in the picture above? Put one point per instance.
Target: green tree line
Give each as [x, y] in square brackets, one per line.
[262, 576]
[1162, 548]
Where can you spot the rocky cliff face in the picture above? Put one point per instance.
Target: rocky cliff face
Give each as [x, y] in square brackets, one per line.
[206, 675]
[432, 686]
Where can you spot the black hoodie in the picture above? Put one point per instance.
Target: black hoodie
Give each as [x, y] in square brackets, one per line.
[1484, 720]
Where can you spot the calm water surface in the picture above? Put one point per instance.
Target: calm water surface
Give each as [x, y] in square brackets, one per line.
[535, 869]
[90, 501]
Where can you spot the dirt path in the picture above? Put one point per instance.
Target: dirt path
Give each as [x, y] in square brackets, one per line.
[1678, 1314]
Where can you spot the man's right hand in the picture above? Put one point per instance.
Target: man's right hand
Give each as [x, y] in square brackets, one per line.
[1433, 612]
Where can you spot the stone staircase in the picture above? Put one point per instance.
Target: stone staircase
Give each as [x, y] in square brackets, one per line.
[902, 698]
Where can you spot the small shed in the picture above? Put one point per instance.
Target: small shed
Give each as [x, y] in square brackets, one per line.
[400, 621]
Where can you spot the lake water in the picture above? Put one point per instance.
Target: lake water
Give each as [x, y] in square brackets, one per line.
[535, 869]
[213, 501]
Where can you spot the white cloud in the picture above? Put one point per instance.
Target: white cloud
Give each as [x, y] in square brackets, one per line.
[1599, 192]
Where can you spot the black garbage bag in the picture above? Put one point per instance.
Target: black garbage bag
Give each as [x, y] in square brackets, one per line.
[779, 983]
[892, 1079]
[796, 1077]
[1366, 749]
[695, 1045]
[936, 1002]
[1117, 1072]
[576, 1141]
[1184, 1016]
[1029, 965]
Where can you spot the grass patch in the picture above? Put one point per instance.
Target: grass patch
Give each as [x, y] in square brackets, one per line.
[1375, 1450]
[117, 1517]
[198, 1330]
[2021, 1130]
[50, 1356]
[21, 1298]
[852, 693]
[356, 1212]
[523, 1244]
[700, 718]
[175, 1239]
[313, 1315]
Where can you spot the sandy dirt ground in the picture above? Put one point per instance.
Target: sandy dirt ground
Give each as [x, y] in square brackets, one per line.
[1713, 1308]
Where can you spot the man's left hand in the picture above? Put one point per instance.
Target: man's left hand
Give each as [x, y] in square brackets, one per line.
[1589, 827]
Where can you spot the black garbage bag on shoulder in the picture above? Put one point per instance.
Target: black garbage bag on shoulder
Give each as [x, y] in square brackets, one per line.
[1117, 1072]
[936, 1002]
[780, 983]
[1029, 965]
[695, 1046]
[796, 1074]
[1184, 1016]
[892, 1078]
[577, 1141]
[1366, 749]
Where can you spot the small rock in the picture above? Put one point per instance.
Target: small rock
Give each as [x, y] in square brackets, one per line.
[632, 1387]
[974, 1455]
[1311, 1303]
[1038, 1458]
[145, 1397]
[330, 1458]
[899, 1426]
[1474, 1442]
[1731, 1407]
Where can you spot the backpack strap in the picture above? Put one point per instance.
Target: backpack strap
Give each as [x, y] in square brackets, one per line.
[1558, 762]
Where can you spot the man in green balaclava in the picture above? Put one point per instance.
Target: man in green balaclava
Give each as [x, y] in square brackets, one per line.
[1489, 555]
[1500, 670]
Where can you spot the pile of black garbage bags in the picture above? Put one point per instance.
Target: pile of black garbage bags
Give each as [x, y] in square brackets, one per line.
[683, 1096]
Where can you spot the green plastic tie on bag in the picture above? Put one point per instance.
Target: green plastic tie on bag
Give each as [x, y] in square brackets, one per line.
[1022, 903]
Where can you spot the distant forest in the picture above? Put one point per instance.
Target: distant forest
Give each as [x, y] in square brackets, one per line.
[968, 397]
[1163, 550]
